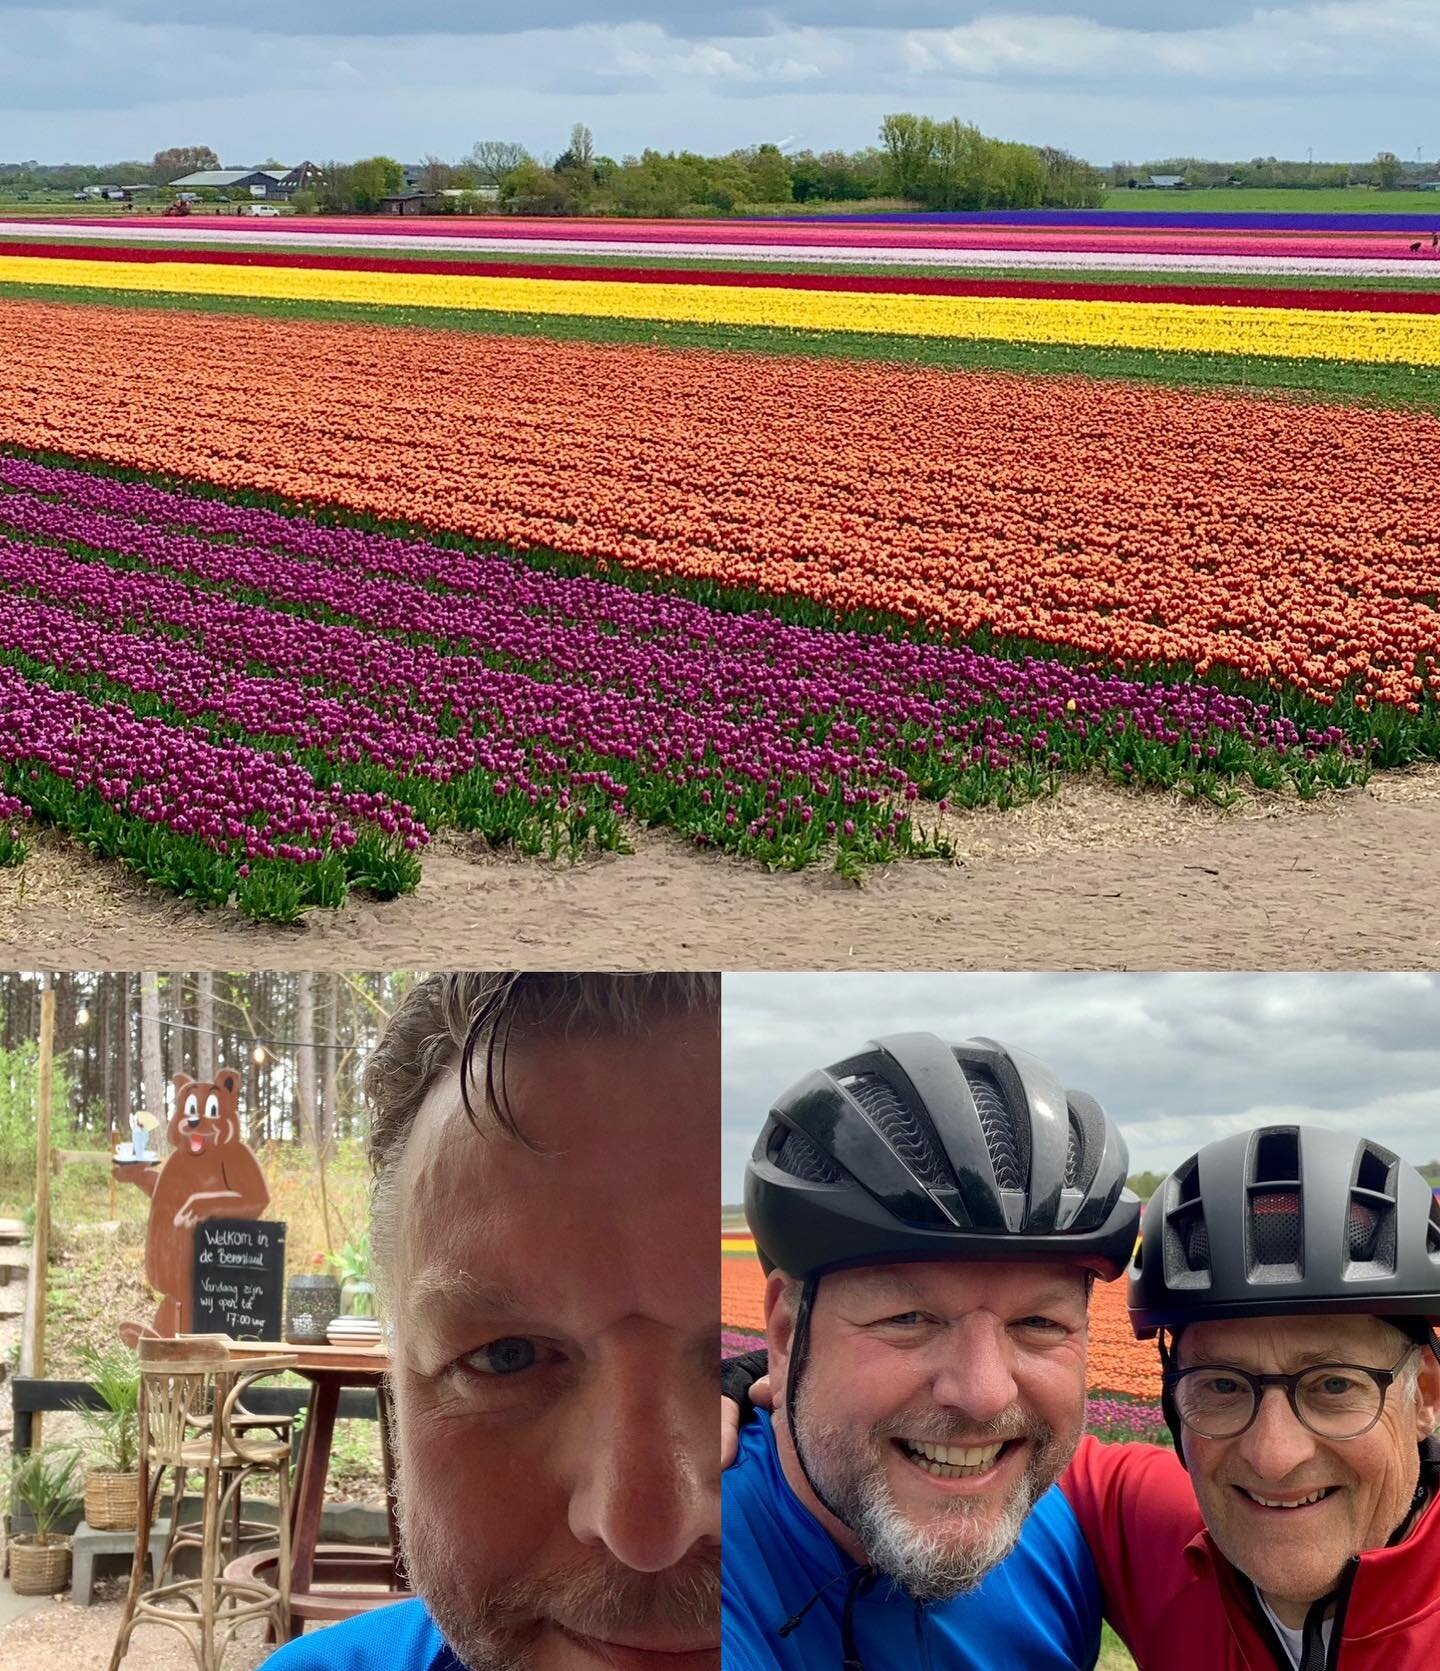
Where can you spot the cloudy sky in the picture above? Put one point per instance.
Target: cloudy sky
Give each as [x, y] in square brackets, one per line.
[1176, 1059]
[1107, 79]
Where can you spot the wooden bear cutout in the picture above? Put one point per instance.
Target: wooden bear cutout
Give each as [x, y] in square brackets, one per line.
[209, 1173]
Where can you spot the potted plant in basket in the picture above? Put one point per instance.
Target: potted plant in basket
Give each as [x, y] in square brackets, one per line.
[112, 1446]
[42, 1482]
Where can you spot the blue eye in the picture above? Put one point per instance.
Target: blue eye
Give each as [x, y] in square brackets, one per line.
[504, 1357]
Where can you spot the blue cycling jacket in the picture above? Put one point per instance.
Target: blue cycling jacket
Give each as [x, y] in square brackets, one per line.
[402, 1637]
[1039, 1610]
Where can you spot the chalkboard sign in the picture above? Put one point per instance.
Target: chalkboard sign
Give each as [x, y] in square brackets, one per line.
[239, 1278]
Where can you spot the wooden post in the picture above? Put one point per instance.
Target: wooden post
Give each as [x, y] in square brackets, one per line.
[32, 1349]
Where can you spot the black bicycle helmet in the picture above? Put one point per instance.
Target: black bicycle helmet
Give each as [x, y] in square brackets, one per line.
[917, 1149]
[1285, 1220]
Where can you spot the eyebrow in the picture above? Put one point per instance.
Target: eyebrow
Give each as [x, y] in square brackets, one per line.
[444, 1289]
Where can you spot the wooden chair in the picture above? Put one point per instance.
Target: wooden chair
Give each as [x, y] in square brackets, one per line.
[190, 1407]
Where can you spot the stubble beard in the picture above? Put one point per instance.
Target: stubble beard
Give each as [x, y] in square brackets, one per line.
[927, 1560]
[501, 1627]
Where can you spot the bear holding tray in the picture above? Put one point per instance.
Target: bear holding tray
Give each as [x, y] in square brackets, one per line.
[208, 1173]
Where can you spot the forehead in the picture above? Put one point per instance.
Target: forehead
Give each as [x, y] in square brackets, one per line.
[957, 1285]
[613, 1201]
[1276, 1343]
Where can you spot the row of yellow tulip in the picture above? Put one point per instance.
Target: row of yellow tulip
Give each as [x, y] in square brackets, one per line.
[1391, 337]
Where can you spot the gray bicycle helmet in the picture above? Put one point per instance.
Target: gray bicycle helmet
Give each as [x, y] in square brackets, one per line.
[917, 1149]
[1284, 1220]
[1281, 1221]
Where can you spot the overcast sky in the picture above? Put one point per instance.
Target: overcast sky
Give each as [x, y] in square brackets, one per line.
[1176, 1059]
[1107, 79]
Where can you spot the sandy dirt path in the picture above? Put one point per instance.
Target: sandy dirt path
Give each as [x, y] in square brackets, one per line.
[1098, 877]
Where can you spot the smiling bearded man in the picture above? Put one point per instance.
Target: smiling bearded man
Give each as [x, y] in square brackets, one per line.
[931, 1217]
[545, 1149]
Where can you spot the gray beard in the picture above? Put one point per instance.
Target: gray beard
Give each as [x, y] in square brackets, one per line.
[927, 1561]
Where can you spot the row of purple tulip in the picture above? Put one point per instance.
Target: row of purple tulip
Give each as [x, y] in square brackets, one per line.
[469, 688]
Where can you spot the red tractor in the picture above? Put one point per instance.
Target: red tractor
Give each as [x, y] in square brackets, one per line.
[179, 207]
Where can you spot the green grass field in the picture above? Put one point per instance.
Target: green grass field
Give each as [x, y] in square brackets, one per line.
[1222, 200]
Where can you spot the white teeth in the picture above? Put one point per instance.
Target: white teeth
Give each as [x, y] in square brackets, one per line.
[952, 1461]
[1294, 1503]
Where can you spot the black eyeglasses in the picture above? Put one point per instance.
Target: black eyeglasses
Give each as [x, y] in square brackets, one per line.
[1332, 1400]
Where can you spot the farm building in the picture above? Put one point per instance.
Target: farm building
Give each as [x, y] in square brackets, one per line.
[259, 182]
[410, 203]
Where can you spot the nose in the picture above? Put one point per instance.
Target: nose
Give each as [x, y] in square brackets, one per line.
[1276, 1443]
[976, 1375]
[645, 1476]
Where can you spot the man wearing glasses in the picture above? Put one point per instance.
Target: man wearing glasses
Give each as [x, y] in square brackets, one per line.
[1293, 1278]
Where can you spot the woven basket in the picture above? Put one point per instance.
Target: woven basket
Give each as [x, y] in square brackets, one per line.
[37, 1570]
[111, 1500]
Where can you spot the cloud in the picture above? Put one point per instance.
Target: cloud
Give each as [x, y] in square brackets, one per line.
[678, 17]
[1176, 1059]
[1103, 78]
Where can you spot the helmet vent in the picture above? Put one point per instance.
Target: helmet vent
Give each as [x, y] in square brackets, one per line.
[908, 1134]
[1275, 1228]
[1370, 1218]
[798, 1156]
[1004, 1138]
[1074, 1153]
[1277, 1159]
[1275, 1210]
[1187, 1236]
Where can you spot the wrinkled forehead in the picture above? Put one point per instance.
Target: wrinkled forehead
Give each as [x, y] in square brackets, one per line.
[957, 1285]
[1277, 1345]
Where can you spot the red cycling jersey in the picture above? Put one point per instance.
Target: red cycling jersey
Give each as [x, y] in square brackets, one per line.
[1179, 1605]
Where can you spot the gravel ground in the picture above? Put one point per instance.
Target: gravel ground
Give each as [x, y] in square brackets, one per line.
[81, 1639]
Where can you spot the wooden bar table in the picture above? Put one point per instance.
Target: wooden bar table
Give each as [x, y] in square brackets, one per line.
[315, 1568]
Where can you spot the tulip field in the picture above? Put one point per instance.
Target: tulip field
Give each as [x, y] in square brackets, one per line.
[321, 537]
[1123, 1374]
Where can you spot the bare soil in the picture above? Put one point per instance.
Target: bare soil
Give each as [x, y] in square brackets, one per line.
[1096, 878]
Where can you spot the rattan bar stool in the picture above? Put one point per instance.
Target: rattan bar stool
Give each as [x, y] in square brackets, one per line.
[237, 1535]
[190, 1392]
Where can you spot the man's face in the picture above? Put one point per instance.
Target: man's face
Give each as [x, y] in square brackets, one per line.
[556, 1319]
[936, 1404]
[1294, 1550]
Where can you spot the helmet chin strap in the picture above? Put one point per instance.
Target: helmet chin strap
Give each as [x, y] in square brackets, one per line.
[799, 1353]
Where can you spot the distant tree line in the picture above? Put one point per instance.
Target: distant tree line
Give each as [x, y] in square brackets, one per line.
[298, 1039]
[1385, 172]
[919, 163]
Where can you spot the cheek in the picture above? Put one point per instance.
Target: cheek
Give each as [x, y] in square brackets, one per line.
[481, 1490]
[867, 1383]
[1052, 1387]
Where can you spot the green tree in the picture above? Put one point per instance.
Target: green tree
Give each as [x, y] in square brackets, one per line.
[770, 180]
[1388, 170]
[490, 160]
[371, 179]
[909, 142]
[181, 160]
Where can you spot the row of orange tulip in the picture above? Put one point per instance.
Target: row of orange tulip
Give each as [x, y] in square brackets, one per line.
[1298, 543]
